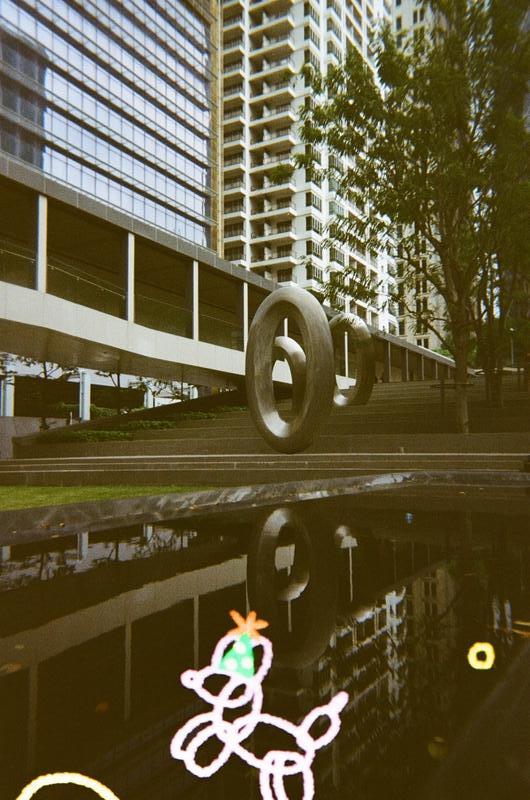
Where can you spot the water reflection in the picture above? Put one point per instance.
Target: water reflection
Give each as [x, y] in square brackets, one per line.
[96, 629]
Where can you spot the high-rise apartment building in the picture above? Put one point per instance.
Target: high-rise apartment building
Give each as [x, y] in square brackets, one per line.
[115, 100]
[419, 300]
[274, 217]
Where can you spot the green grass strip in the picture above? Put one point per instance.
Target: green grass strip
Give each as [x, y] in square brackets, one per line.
[16, 497]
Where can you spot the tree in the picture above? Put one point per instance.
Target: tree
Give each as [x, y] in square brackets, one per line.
[417, 171]
[503, 309]
[47, 372]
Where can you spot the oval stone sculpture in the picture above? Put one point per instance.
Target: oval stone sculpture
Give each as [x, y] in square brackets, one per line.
[312, 369]
[360, 338]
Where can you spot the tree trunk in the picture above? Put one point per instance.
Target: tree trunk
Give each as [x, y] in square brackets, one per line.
[462, 416]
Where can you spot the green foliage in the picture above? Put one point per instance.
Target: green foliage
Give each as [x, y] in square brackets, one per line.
[426, 151]
[281, 173]
[80, 435]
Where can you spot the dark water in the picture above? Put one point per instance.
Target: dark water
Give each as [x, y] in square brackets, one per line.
[95, 630]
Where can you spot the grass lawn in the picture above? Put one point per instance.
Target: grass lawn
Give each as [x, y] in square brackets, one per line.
[12, 497]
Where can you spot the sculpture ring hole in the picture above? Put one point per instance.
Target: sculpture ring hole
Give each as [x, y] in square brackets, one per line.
[360, 339]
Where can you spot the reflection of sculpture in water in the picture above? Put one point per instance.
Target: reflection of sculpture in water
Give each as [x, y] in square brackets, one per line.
[233, 658]
[314, 388]
[311, 585]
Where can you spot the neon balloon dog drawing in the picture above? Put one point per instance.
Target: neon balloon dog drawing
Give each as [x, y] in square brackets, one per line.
[234, 657]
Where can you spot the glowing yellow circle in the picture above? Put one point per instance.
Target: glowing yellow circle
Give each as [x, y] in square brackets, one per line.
[481, 663]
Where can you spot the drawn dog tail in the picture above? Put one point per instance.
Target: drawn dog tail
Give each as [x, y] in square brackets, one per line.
[332, 711]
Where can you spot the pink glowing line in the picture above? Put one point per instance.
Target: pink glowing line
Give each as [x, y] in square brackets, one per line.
[275, 765]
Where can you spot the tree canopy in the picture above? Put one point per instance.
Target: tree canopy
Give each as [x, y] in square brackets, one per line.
[425, 147]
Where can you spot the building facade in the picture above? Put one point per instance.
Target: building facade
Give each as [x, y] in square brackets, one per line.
[411, 16]
[117, 101]
[274, 217]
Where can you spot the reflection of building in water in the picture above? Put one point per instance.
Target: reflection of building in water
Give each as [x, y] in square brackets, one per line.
[93, 658]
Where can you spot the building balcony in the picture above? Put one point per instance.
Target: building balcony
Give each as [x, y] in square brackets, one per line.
[234, 211]
[276, 140]
[234, 237]
[233, 23]
[279, 210]
[233, 69]
[233, 99]
[234, 187]
[274, 24]
[259, 5]
[271, 189]
[275, 235]
[277, 259]
[233, 144]
[270, 161]
[234, 166]
[280, 91]
[273, 67]
[230, 6]
[275, 115]
[233, 118]
[273, 47]
[233, 46]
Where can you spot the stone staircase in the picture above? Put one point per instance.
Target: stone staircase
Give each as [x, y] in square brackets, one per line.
[403, 427]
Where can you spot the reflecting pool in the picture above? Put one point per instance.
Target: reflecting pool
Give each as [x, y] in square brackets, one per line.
[383, 603]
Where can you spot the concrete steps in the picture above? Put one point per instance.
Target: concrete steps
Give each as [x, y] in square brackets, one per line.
[237, 469]
[402, 428]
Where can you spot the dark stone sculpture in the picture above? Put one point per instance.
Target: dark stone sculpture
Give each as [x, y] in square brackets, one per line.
[312, 367]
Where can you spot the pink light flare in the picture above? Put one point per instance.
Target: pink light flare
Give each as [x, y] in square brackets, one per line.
[241, 691]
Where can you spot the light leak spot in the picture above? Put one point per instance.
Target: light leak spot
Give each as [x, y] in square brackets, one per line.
[481, 655]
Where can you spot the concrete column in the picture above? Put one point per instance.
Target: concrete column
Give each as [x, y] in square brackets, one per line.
[129, 278]
[148, 397]
[84, 395]
[245, 315]
[82, 545]
[436, 371]
[196, 631]
[286, 327]
[346, 356]
[404, 364]
[42, 244]
[5, 553]
[422, 367]
[33, 687]
[127, 671]
[7, 396]
[387, 362]
[195, 301]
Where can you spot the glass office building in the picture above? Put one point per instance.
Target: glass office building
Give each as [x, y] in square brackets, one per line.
[115, 100]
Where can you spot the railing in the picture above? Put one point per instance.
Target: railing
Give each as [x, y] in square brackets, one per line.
[232, 20]
[233, 115]
[17, 264]
[280, 62]
[231, 161]
[314, 273]
[272, 112]
[161, 315]
[216, 330]
[233, 43]
[233, 65]
[234, 137]
[233, 91]
[71, 282]
[233, 185]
